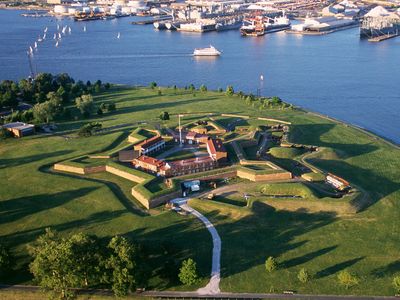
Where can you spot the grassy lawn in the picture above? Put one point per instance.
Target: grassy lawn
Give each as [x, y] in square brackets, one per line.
[182, 154]
[33, 198]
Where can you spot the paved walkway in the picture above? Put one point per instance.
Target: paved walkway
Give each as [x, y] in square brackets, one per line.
[212, 287]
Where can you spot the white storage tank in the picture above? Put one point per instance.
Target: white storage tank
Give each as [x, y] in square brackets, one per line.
[86, 9]
[126, 10]
[136, 3]
[60, 9]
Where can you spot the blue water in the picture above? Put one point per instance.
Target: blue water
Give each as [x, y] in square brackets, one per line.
[337, 74]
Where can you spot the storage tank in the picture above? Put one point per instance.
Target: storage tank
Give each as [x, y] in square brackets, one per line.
[126, 10]
[136, 3]
[60, 9]
[86, 9]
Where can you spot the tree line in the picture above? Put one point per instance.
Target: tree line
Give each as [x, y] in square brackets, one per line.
[51, 98]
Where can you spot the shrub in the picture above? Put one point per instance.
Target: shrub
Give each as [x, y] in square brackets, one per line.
[303, 276]
[188, 272]
[111, 107]
[396, 283]
[164, 116]
[270, 264]
[89, 129]
[347, 279]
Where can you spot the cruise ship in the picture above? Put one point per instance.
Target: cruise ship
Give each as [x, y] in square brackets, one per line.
[210, 51]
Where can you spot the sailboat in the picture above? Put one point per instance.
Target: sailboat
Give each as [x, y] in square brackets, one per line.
[45, 30]
[58, 27]
[119, 35]
[57, 44]
[35, 46]
[30, 50]
[39, 39]
[54, 36]
[63, 30]
[59, 36]
[84, 28]
[69, 30]
[44, 36]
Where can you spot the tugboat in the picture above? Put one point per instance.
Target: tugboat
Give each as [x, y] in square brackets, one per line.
[210, 51]
[253, 26]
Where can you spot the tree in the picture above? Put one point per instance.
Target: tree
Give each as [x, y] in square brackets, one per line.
[203, 88]
[164, 116]
[107, 86]
[188, 272]
[53, 264]
[229, 90]
[192, 87]
[87, 259]
[103, 106]
[9, 99]
[396, 283]
[99, 111]
[26, 89]
[46, 111]
[62, 94]
[43, 83]
[347, 279]
[85, 104]
[303, 275]
[270, 264]
[5, 260]
[153, 85]
[122, 266]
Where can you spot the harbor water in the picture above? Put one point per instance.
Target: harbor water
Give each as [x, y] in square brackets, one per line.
[337, 74]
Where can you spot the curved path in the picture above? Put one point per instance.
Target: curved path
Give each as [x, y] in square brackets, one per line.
[212, 287]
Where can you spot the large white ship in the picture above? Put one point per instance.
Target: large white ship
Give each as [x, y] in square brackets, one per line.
[210, 51]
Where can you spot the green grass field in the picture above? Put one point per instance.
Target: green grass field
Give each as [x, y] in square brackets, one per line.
[33, 198]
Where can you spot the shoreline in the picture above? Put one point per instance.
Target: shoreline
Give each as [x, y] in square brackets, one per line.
[366, 131]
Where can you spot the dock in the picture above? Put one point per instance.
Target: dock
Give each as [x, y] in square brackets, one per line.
[383, 37]
[151, 20]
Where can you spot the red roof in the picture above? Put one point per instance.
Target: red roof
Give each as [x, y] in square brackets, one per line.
[151, 161]
[215, 145]
[150, 142]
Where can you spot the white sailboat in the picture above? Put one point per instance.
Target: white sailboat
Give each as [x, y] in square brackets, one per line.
[63, 30]
[58, 27]
[69, 30]
[59, 36]
[84, 28]
[39, 39]
[54, 36]
[57, 44]
[45, 30]
[30, 50]
[44, 36]
[35, 46]
[119, 35]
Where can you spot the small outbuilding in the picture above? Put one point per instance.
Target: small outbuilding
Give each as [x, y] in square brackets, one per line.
[20, 129]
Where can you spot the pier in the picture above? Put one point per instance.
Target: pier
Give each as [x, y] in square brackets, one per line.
[383, 37]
